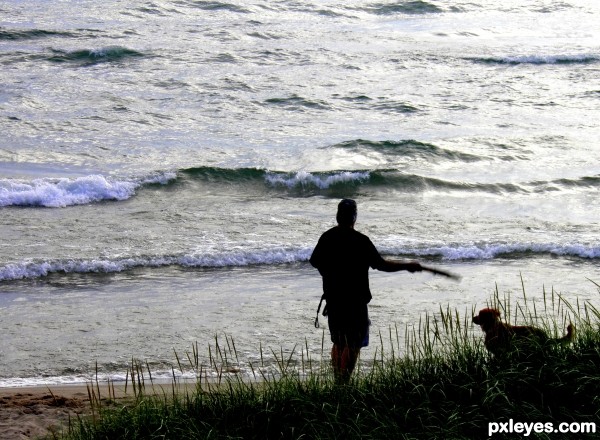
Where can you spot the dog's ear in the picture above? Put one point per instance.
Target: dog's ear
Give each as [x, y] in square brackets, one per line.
[490, 312]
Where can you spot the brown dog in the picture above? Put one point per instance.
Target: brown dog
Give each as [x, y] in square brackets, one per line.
[499, 336]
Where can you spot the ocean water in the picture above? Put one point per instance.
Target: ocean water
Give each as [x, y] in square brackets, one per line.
[167, 167]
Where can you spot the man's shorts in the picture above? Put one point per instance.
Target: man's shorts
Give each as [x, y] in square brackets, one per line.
[349, 327]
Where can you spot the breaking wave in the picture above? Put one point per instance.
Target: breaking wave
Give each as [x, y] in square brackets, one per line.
[289, 255]
[540, 59]
[87, 57]
[59, 193]
[63, 192]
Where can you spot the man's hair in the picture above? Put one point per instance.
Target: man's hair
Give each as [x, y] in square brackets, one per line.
[346, 213]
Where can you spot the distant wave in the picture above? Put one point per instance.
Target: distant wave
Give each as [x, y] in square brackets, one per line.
[63, 192]
[289, 255]
[29, 34]
[57, 193]
[300, 181]
[408, 148]
[400, 181]
[382, 104]
[403, 7]
[540, 59]
[214, 6]
[224, 174]
[291, 181]
[93, 56]
[295, 102]
[587, 181]
[339, 182]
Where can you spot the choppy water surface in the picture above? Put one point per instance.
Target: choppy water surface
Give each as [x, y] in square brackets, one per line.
[166, 168]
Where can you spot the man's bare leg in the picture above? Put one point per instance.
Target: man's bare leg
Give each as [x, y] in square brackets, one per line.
[343, 360]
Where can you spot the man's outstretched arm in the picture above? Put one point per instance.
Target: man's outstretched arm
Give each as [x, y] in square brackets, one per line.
[396, 266]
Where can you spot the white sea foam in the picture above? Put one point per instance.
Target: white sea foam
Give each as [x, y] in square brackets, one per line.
[488, 251]
[59, 193]
[24, 270]
[30, 269]
[304, 178]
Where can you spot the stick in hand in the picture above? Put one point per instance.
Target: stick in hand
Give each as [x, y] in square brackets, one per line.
[445, 273]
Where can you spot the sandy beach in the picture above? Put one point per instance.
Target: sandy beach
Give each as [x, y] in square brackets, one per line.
[32, 412]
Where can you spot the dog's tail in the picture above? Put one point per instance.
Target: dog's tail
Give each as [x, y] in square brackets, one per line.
[569, 337]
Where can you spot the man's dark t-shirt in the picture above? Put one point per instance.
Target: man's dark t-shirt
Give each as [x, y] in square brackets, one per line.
[343, 257]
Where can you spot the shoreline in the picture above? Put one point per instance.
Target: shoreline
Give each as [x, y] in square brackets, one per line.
[33, 410]
[93, 323]
[30, 412]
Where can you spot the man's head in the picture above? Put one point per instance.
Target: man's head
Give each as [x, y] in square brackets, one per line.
[346, 213]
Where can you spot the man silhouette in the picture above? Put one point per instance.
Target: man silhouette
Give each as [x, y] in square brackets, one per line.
[343, 257]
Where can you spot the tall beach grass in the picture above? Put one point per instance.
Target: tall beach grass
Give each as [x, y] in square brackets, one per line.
[432, 380]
